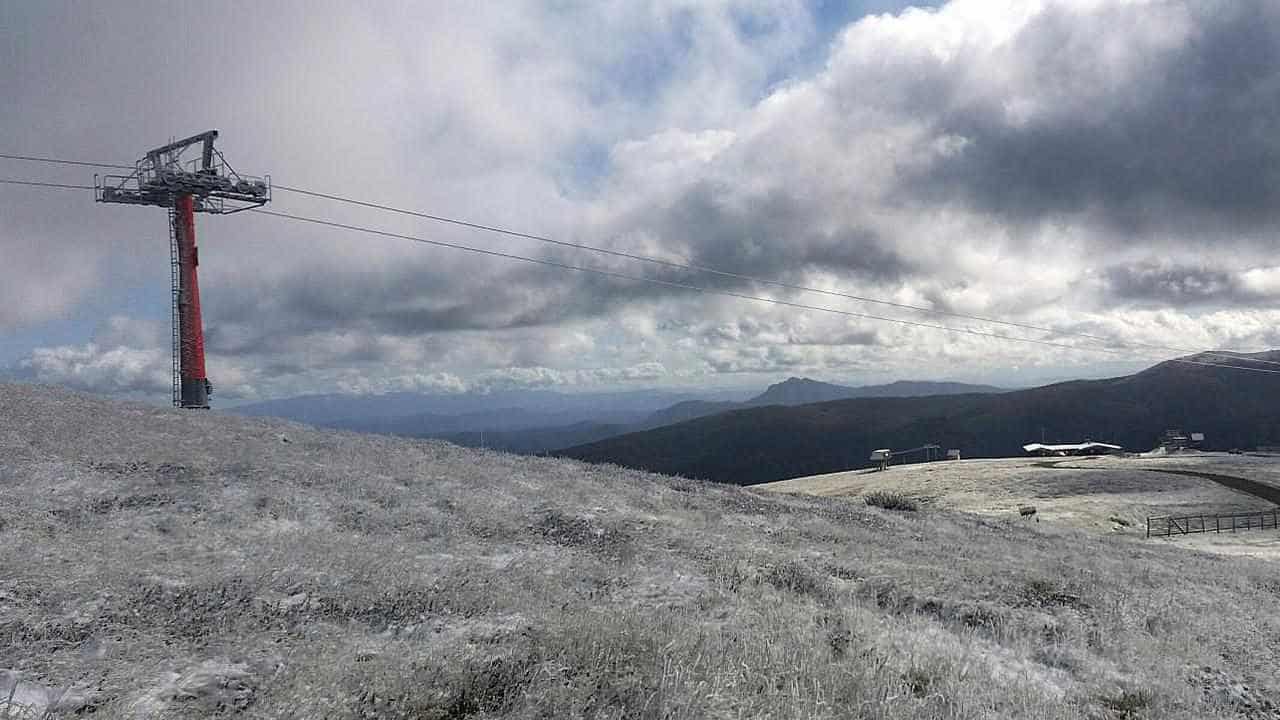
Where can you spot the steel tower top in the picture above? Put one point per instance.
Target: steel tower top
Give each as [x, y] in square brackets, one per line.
[162, 175]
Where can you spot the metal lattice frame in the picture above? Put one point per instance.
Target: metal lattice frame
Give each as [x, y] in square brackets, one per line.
[162, 175]
[175, 287]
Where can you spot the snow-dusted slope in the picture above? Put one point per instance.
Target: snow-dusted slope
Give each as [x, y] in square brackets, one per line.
[157, 563]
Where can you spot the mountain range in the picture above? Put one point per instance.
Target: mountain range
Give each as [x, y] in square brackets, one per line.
[1234, 408]
[538, 421]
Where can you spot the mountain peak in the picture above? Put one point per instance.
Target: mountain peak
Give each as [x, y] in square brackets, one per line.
[802, 391]
[1260, 360]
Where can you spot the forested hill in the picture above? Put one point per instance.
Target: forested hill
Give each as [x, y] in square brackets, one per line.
[1234, 408]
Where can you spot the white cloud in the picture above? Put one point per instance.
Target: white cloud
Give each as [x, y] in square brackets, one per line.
[364, 384]
[109, 370]
[1264, 281]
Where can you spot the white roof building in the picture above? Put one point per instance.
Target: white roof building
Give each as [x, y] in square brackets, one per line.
[1071, 448]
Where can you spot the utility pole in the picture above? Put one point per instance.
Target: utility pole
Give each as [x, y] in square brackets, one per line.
[205, 184]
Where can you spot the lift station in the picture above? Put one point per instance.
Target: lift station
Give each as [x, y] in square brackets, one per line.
[184, 187]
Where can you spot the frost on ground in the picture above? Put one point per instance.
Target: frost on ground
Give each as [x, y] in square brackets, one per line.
[158, 563]
[213, 686]
[1102, 494]
[22, 698]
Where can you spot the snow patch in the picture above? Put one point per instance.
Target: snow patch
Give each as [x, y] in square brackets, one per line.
[25, 698]
[213, 685]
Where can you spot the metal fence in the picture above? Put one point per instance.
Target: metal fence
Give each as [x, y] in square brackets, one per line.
[1166, 526]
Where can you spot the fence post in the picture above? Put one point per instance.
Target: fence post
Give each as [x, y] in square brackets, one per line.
[1148, 527]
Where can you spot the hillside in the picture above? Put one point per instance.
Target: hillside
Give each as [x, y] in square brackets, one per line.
[803, 391]
[1233, 409]
[160, 563]
[1105, 494]
[688, 410]
[1102, 494]
[533, 441]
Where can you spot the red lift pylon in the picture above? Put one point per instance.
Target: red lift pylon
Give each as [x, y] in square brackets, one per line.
[207, 184]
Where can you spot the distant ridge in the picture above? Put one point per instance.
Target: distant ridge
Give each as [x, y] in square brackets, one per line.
[775, 442]
[536, 421]
[802, 391]
[688, 410]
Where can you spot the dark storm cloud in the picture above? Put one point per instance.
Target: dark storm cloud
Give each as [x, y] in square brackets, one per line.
[414, 300]
[768, 235]
[1193, 136]
[1171, 285]
[865, 338]
[1187, 286]
[408, 301]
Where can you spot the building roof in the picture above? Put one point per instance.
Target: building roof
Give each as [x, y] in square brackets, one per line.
[1036, 447]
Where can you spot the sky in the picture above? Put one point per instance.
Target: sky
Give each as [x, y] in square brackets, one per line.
[1107, 167]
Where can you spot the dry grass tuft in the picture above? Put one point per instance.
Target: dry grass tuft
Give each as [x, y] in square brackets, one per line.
[890, 501]
[1127, 704]
[796, 577]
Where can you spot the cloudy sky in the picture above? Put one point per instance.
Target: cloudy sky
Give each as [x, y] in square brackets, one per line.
[1109, 167]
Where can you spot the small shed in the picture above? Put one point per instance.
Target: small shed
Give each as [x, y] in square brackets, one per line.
[882, 457]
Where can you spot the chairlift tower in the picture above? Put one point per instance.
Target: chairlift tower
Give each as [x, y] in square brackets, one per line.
[184, 187]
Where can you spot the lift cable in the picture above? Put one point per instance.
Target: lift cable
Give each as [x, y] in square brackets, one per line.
[58, 161]
[686, 266]
[748, 278]
[725, 293]
[33, 183]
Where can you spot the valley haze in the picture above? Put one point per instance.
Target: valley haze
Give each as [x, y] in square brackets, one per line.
[540, 421]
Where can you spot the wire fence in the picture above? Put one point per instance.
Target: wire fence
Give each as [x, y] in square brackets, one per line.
[1169, 525]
